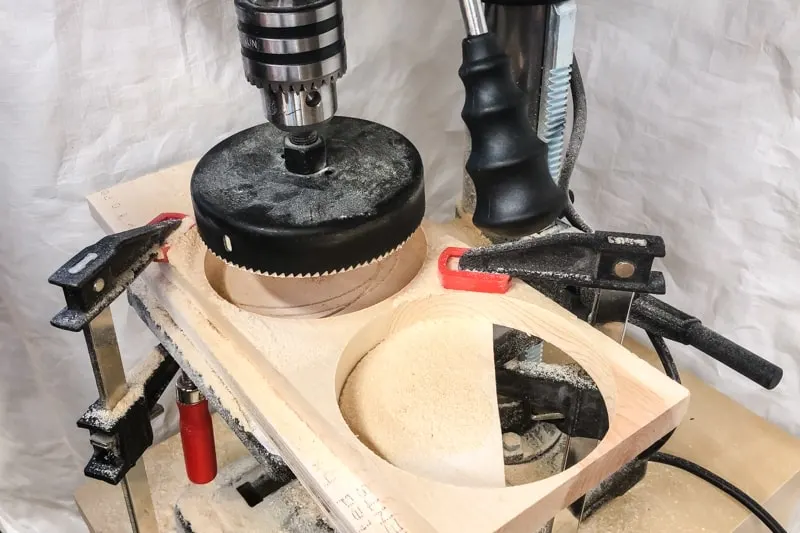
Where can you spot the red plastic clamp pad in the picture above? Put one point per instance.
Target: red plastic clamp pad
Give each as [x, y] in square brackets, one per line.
[163, 257]
[464, 280]
[167, 216]
[197, 438]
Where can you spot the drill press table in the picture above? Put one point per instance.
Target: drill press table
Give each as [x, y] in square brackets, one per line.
[737, 445]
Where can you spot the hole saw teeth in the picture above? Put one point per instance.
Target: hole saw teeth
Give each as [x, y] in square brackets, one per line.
[316, 274]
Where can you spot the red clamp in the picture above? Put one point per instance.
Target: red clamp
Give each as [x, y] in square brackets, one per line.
[163, 257]
[465, 280]
[197, 432]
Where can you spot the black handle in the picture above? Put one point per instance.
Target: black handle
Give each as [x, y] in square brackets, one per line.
[515, 194]
[662, 319]
[734, 356]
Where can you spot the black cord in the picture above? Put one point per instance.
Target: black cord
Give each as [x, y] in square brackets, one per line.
[579, 114]
[671, 370]
[725, 486]
[654, 454]
[667, 361]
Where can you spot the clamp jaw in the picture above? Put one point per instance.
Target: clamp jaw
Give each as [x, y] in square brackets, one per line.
[119, 442]
[99, 273]
[600, 260]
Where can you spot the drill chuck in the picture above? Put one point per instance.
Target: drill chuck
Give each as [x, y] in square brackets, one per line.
[294, 51]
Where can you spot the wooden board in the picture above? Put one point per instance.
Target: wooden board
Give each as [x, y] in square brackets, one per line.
[135, 203]
[667, 501]
[289, 373]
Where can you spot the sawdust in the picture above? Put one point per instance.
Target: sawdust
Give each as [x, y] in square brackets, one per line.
[199, 369]
[574, 374]
[136, 382]
[218, 507]
[425, 400]
[547, 464]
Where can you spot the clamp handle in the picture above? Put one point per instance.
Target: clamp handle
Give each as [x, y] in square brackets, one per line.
[197, 432]
[660, 318]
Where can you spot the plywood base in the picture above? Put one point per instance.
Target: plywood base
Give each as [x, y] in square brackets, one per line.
[132, 204]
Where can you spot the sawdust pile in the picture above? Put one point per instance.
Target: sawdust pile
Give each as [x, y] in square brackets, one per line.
[425, 400]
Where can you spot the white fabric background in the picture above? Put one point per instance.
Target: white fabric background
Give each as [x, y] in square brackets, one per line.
[694, 134]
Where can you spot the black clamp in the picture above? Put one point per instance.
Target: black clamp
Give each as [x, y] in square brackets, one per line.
[99, 273]
[119, 441]
[92, 280]
[601, 260]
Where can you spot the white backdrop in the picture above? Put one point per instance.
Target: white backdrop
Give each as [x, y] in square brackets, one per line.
[694, 134]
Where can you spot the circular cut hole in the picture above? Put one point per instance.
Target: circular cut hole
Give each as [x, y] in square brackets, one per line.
[318, 296]
[423, 399]
[463, 401]
[544, 394]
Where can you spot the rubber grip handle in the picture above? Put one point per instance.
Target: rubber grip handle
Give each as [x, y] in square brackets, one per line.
[197, 438]
[515, 194]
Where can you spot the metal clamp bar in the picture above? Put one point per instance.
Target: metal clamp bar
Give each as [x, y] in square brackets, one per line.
[91, 281]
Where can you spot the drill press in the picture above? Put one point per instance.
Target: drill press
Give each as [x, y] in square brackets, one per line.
[313, 194]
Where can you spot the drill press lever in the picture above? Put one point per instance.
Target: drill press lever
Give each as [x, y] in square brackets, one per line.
[508, 163]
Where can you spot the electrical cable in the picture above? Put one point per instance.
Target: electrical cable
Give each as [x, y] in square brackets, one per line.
[579, 114]
[671, 370]
[667, 361]
[723, 485]
[654, 454]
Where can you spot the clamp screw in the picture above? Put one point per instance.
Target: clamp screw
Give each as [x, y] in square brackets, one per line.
[99, 285]
[624, 269]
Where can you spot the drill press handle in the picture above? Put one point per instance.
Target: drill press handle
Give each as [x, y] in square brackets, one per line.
[515, 194]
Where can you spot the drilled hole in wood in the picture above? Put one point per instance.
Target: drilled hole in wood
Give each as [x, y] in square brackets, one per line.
[543, 394]
[420, 390]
